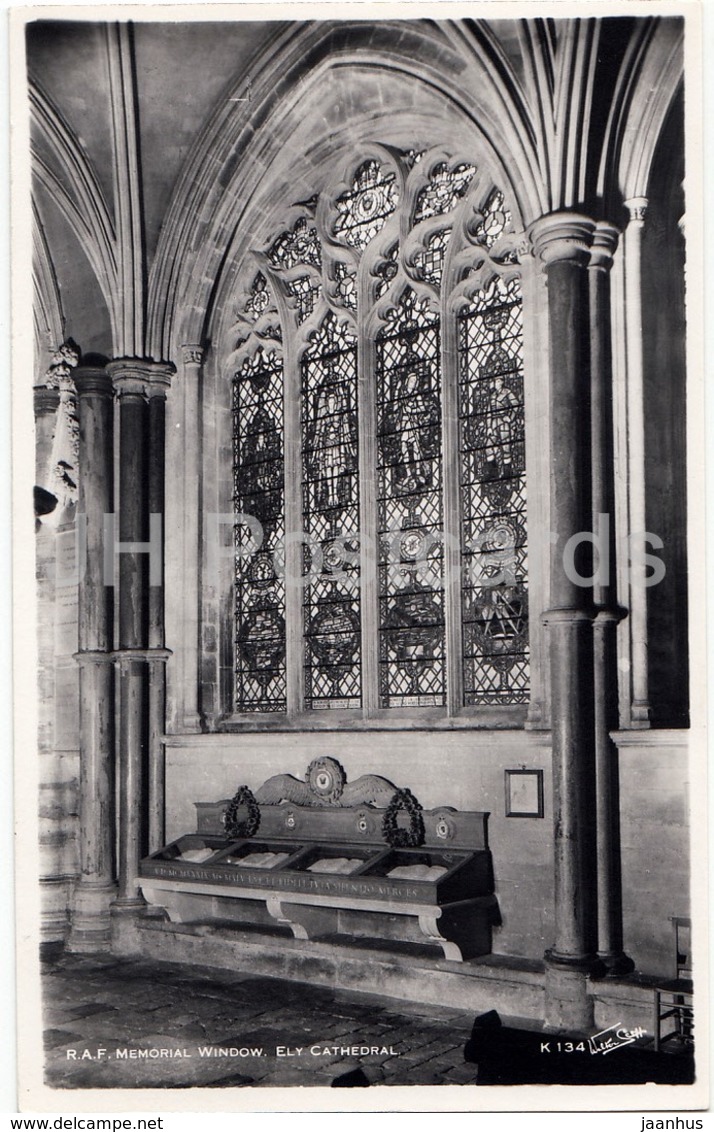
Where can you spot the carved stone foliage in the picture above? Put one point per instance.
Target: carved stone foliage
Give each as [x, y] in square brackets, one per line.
[63, 472]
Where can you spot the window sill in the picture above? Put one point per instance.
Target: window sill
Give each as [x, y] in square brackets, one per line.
[506, 718]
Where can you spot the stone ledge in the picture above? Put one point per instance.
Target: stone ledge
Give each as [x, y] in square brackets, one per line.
[513, 986]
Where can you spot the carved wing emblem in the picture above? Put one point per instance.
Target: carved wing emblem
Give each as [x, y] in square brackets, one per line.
[284, 788]
[369, 789]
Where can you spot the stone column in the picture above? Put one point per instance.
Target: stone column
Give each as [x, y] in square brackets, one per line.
[140, 656]
[640, 712]
[185, 531]
[607, 612]
[160, 382]
[562, 241]
[131, 379]
[96, 887]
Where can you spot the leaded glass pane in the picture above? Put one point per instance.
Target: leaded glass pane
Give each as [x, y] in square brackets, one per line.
[346, 286]
[259, 299]
[411, 646]
[493, 488]
[259, 501]
[446, 187]
[296, 247]
[496, 220]
[430, 262]
[365, 209]
[387, 269]
[259, 304]
[306, 292]
[331, 598]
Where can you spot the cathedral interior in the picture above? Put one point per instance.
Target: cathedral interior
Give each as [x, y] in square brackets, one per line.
[360, 401]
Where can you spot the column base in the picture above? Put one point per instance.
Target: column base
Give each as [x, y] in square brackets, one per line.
[616, 963]
[125, 915]
[536, 718]
[90, 922]
[586, 963]
[568, 1006]
[192, 723]
[640, 714]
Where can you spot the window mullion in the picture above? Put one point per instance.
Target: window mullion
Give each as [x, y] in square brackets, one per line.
[294, 630]
[451, 466]
[369, 548]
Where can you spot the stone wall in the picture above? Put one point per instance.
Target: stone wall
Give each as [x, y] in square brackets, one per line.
[460, 769]
[655, 832]
[466, 770]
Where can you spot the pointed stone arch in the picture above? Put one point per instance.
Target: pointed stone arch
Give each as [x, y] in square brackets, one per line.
[303, 100]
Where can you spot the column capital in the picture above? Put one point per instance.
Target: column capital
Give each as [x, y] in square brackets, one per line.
[637, 207]
[562, 237]
[139, 377]
[604, 245]
[92, 381]
[129, 376]
[46, 400]
[192, 354]
[160, 379]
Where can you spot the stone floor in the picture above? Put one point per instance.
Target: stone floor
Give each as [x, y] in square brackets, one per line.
[138, 1023]
[165, 1025]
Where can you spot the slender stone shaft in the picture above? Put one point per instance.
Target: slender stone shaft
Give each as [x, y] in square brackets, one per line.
[157, 666]
[562, 241]
[130, 381]
[609, 889]
[141, 389]
[185, 446]
[96, 887]
[640, 707]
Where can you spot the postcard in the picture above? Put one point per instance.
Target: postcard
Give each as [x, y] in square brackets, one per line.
[359, 651]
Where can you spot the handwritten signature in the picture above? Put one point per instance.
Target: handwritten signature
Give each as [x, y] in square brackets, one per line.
[614, 1037]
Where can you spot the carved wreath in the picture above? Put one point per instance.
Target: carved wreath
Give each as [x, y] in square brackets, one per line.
[243, 799]
[326, 778]
[396, 835]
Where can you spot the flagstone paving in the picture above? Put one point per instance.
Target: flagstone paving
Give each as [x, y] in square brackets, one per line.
[128, 1023]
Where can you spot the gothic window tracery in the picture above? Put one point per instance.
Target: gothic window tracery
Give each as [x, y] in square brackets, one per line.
[446, 187]
[366, 292]
[365, 208]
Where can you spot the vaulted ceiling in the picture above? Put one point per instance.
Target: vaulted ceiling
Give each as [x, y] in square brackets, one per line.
[127, 120]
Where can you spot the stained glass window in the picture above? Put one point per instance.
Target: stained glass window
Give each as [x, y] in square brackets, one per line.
[494, 550]
[430, 262]
[403, 375]
[300, 245]
[259, 298]
[365, 209]
[496, 219]
[387, 269]
[346, 286]
[411, 646]
[259, 502]
[446, 187]
[331, 599]
[305, 292]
